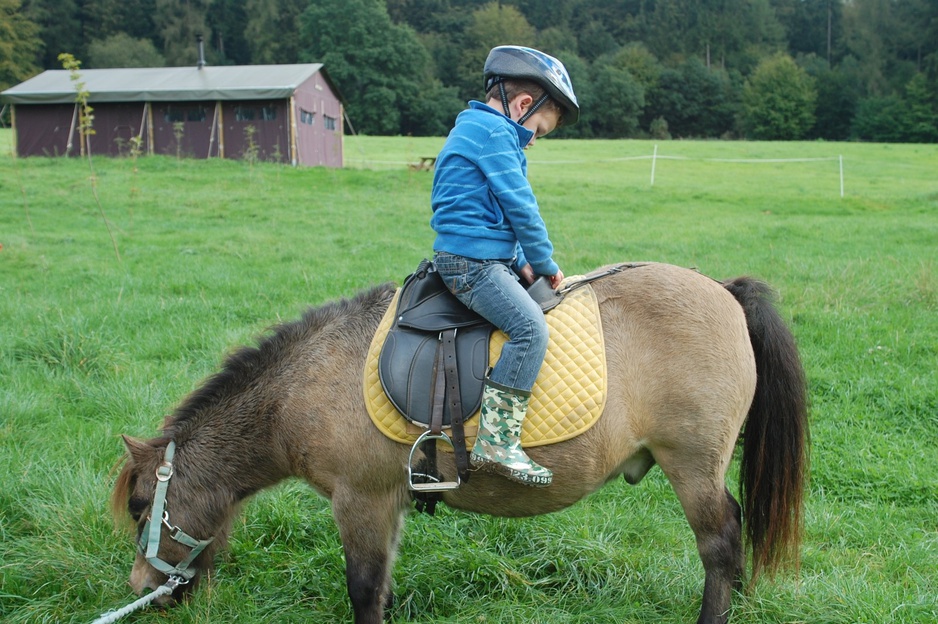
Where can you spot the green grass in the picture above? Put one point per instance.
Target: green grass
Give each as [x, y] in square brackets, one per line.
[212, 253]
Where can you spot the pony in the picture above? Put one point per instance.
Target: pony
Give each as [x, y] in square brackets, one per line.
[690, 361]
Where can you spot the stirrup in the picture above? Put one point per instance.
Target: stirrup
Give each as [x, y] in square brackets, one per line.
[433, 484]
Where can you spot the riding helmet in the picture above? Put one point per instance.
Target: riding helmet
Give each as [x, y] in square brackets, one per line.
[523, 63]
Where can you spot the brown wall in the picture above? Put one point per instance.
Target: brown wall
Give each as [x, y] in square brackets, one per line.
[270, 120]
[114, 125]
[317, 108]
[183, 129]
[43, 129]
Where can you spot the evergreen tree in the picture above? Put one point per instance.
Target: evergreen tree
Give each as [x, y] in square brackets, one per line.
[870, 35]
[228, 21]
[179, 22]
[60, 29]
[380, 67]
[492, 25]
[882, 119]
[615, 102]
[595, 40]
[273, 29]
[102, 19]
[694, 100]
[838, 92]
[812, 27]
[922, 111]
[19, 45]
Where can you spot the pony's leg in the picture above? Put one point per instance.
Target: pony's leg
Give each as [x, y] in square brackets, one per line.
[714, 516]
[370, 526]
[724, 561]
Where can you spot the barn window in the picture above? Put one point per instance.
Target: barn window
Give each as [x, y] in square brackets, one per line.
[329, 122]
[244, 113]
[176, 114]
[269, 113]
[307, 117]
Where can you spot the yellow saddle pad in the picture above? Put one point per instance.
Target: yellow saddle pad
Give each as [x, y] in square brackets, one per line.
[568, 397]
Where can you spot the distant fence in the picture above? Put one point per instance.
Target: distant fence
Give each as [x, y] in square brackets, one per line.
[839, 158]
[654, 157]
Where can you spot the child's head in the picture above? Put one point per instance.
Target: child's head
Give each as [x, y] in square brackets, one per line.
[516, 88]
[514, 71]
[529, 104]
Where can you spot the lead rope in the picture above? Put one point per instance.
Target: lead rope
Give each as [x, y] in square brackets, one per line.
[166, 588]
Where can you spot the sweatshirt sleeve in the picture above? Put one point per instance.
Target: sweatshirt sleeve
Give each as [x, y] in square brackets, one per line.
[505, 168]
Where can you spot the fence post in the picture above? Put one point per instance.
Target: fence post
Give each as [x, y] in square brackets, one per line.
[654, 159]
[841, 175]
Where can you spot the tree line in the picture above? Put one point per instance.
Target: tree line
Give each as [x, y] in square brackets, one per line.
[759, 69]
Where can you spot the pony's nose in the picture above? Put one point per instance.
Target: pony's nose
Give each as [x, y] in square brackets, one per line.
[165, 601]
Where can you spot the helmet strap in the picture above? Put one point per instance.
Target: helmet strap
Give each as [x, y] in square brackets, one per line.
[533, 109]
[504, 96]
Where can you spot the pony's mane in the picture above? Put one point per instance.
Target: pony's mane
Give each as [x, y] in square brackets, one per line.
[247, 363]
[360, 314]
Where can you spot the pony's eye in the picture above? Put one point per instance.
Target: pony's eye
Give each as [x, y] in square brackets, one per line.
[136, 507]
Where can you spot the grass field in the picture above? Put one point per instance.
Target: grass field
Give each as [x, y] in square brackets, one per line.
[96, 342]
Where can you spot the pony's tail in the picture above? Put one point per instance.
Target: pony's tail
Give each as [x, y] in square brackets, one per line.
[776, 438]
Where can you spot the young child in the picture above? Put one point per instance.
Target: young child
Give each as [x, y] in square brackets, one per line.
[489, 231]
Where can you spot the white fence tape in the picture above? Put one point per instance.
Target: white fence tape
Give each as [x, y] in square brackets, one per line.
[654, 157]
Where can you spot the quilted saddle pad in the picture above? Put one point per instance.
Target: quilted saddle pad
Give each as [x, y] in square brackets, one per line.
[568, 397]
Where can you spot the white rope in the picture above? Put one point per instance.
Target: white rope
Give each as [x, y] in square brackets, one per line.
[162, 590]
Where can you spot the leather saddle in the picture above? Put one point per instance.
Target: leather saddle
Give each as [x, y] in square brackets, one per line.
[410, 361]
[434, 361]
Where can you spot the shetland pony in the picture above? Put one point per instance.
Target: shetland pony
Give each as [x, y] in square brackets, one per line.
[690, 362]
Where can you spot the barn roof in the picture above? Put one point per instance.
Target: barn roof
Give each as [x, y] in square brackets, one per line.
[161, 84]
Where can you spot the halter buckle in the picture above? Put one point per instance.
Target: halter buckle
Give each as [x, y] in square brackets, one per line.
[164, 471]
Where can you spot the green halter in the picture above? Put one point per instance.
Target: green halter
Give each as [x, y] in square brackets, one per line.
[149, 542]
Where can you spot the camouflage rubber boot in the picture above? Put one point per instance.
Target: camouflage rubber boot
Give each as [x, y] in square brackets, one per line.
[498, 444]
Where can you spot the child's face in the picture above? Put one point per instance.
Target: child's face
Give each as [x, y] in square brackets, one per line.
[542, 123]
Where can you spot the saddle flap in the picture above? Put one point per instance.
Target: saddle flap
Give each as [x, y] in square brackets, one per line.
[406, 369]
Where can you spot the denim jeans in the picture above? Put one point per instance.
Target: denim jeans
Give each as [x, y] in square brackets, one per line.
[491, 288]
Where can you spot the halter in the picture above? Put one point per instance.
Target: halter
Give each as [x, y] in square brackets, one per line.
[149, 543]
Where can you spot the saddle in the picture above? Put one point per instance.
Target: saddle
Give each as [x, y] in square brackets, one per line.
[431, 325]
[434, 361]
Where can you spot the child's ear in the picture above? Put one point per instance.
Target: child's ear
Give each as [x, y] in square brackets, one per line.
[522, 103]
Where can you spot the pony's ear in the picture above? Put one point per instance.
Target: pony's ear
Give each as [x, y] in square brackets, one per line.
[138, 450]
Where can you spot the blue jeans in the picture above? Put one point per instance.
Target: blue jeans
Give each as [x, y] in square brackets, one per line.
[490, 288]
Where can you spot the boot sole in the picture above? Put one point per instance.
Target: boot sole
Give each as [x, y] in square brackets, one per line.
[485, 465]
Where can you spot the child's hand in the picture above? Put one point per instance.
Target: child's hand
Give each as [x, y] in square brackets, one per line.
[527, 273]
[556, 279]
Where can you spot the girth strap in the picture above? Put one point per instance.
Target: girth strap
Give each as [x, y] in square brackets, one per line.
[448, 341]
[446, 388]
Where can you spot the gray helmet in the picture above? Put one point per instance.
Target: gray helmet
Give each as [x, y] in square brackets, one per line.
[505, 62]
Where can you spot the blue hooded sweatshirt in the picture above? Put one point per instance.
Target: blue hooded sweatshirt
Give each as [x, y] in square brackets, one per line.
[483, 205]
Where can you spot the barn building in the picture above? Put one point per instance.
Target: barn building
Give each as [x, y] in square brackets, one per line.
[281, 113]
